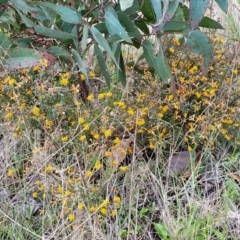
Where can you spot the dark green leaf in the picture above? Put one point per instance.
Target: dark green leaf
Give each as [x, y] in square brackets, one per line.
[147, 10]
[69, 15]
[200, 44]
[3, 1]
[223, 4]
[142, 26]
[197, 11]
[101, 27]
[102, 64]
[207, 22]
[114, 27]
[48, 32]
[103, 43]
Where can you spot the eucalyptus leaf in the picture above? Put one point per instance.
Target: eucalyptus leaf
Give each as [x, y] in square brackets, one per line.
[125, 4]
[223, 4]
[80, 62]
[114, 27]
[52, 33]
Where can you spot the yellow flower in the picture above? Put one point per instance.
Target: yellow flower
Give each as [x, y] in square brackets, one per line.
[81, 120]
[131, 111]
[82, 77]
[101, 95]
[34, 194]
[160, 115]
[71, 217]
[108, 133]
[49, 168]
[8, 115]
[60, 190]
[81, 206]
[221, 41]
[64, 81]
[114, 213]
[104, 203]
[117, 140]
[103, 211]
[89, 173]
[227, 121]
[108, 94]
[44, 62]
[117, 199]
[235, 71]
[92, 209]
[49, 123]
[171, 50]
[190, 148]
[140, 122]
[96, 136]
[67, 193]
[36, 111]
[82, 138]
[36, 68]
[124, 168]
[91, 74]
[170, 97]
[86, 127]
[98, 165]
[11, 172]
[64, 139]
[90, 97]
[11, 81]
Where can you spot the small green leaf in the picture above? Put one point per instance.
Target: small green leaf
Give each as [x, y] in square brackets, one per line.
[223, 4]
[103, 43]
[114, 27]
[142, 26]
[197, 11]
[48, 32]
[124, 4]
[80, 62]
[69, 15]
[161, 231]
[102, 64]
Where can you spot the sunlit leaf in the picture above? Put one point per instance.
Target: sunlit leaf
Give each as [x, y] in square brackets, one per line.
[126, 4]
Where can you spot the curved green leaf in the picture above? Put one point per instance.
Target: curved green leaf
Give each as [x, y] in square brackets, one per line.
[125, 4]
[84, 38]
[223, 4]
[200, 44]
[48, 32]
[28, 22]
[142, 26]
[197, 11]
[114, 27]
[103, 43]
[102, 64]
[207, 22]
[161, 231]
[80, 62]
[158, 63]
[157, 7]
[69, 15]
